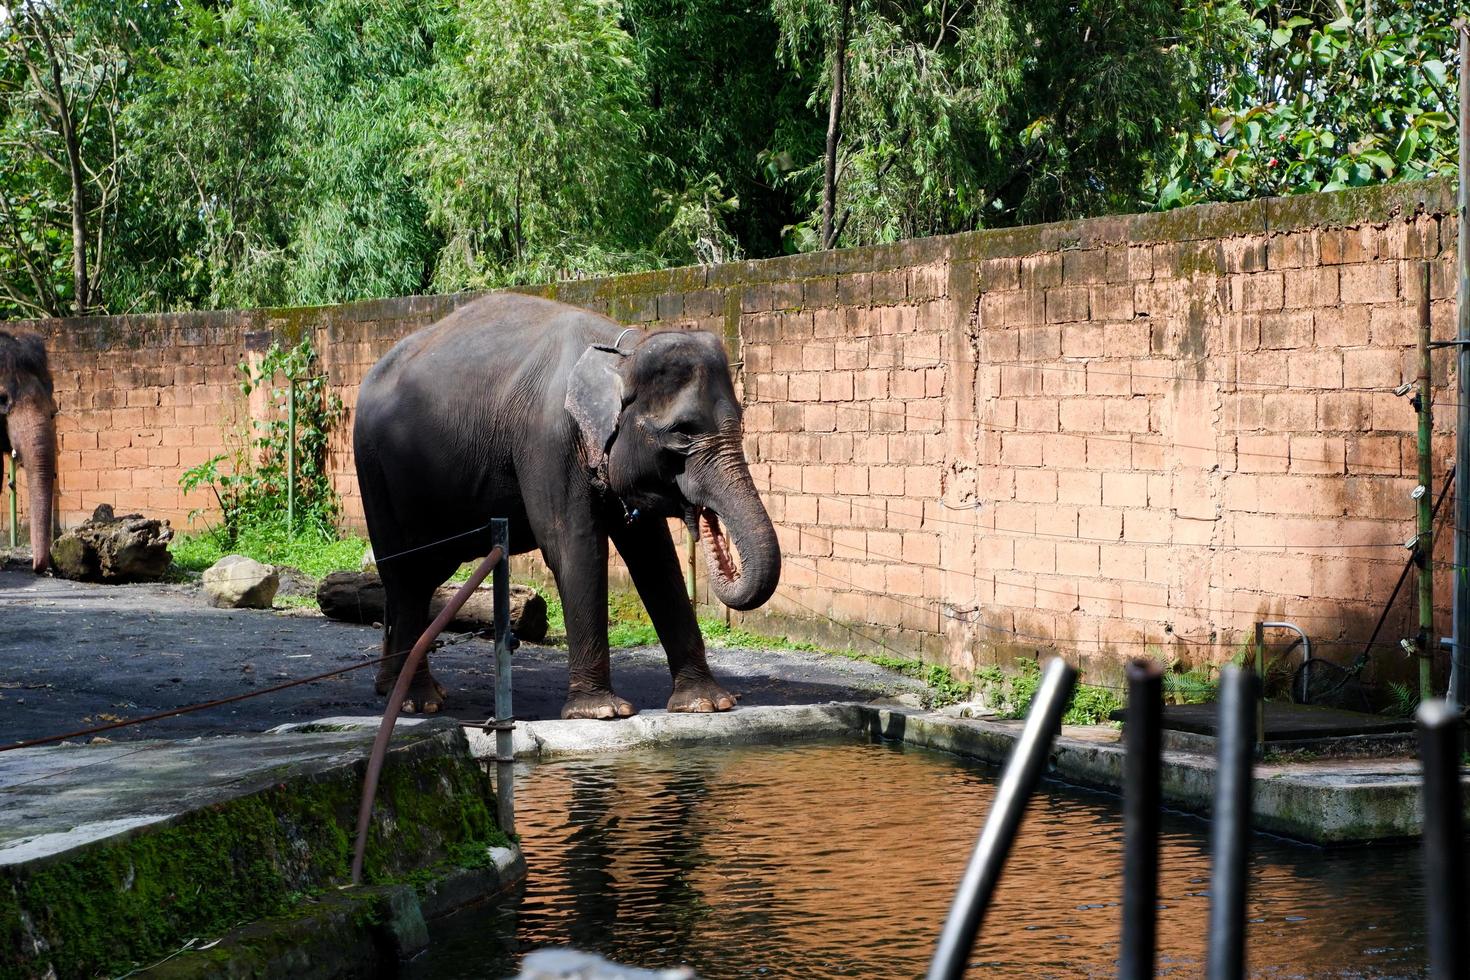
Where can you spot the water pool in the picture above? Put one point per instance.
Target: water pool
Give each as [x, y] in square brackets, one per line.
[840, 860]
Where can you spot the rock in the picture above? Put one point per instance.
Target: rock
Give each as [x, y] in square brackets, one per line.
[294, 582]
[369, 563]
[357, 597]
[237, 582]
[351, 597]
[106, 548]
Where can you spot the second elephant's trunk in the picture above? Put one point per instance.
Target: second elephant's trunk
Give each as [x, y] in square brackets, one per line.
[32, 432]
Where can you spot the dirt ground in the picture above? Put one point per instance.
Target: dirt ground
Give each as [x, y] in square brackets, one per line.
[75, 655]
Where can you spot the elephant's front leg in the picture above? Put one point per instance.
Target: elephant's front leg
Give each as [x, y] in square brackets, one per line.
[648, 551]
[580, 568]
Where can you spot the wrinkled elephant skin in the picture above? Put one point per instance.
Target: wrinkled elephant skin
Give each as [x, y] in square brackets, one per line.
[577, 430]
[28, 426]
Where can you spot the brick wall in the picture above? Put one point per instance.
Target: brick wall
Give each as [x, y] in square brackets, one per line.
[1103, 436]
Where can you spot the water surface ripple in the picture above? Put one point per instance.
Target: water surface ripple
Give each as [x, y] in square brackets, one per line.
[840, 860]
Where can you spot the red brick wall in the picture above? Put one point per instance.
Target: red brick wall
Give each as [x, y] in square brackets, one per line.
[1105, 436]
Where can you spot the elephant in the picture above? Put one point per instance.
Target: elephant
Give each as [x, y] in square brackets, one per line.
[28, 426]
[578, 431]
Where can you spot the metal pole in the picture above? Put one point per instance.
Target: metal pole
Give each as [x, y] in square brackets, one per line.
[14, 509]
[1230, 828]
[1261, 689]
[689, 577]
[504, 714]
[1444, 842]
[395, 702]
[1460, 672]
[291, 457]
[1424, 548]
[1021, 775]
[1141, 803]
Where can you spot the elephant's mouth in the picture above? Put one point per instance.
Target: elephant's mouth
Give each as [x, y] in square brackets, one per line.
[724, 560]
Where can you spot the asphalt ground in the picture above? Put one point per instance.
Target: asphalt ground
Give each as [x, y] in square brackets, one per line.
[74, 655]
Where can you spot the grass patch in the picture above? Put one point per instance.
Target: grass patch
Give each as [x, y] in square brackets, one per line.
[1010, 695]
[271, 545]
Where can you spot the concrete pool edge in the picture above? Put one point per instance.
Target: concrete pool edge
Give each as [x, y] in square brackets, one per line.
[114, 853]
[1323, 801]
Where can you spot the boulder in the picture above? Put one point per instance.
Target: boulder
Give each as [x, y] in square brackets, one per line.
[357, 597]
[369, 563]
[237, 582]
[107, 548]
[351, 597]
[294, 582]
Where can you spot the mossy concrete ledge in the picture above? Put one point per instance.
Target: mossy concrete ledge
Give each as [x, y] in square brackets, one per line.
[1320, 801]
[115, 855]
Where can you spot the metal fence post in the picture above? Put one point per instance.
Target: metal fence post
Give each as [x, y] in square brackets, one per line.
[1021, 775]
[504, 714]
[1142, 738]
[1460, 672]
[1261, 690]
[1424, 550]
[1444, 841]
[1230, 825]
[291, 455]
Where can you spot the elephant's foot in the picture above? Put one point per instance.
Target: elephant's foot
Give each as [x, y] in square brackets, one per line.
[425, 694]
[700, 694]
[602, 705]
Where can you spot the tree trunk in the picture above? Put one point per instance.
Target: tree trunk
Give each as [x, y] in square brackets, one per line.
[82, 287]
[834, 130]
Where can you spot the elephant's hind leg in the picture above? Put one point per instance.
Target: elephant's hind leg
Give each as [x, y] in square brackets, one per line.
[406, 617]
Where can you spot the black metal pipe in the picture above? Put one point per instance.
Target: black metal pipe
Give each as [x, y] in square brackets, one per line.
[1019, 780]
[1230, 827]
[1444, 841]
[1141, 802]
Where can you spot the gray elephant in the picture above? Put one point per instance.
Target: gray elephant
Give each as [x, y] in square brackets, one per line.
[28, 425]
[577, 430]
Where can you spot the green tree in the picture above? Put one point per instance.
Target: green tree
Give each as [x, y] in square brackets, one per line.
[533, 164]
[274, 139]
[976, 112]
[65, 68]
[1314, 96]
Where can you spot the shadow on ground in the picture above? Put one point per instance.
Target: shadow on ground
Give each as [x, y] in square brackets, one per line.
[75, 655]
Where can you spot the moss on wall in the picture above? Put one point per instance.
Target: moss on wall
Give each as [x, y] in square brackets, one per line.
[130, 899]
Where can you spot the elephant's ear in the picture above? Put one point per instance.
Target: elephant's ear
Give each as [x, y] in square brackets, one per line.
[595, 399]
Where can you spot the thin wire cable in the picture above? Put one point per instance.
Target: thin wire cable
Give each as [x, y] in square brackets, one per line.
[189, 709]
[1084, 368]
[1052, 642]
[923, 519]
[1132, 439]
[1181, 610]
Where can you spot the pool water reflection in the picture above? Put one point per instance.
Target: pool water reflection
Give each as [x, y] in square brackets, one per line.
[840, 860]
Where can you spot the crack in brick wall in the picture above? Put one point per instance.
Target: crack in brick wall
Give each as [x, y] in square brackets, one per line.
[1105, 437]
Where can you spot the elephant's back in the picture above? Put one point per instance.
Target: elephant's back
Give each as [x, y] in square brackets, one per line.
[492, 337]
[462, 370]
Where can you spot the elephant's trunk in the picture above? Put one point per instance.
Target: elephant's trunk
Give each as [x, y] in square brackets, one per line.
[740, 547]
[32, 431]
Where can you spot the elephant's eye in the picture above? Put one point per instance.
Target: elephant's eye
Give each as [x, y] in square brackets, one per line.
[679, 438]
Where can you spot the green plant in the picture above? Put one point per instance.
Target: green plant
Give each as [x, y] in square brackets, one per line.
[1403, 700]
[1354, 93]
[254, 492]
[270, 544]
[1010, 695]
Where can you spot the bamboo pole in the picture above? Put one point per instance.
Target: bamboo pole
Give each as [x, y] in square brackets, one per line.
[1424, 549]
